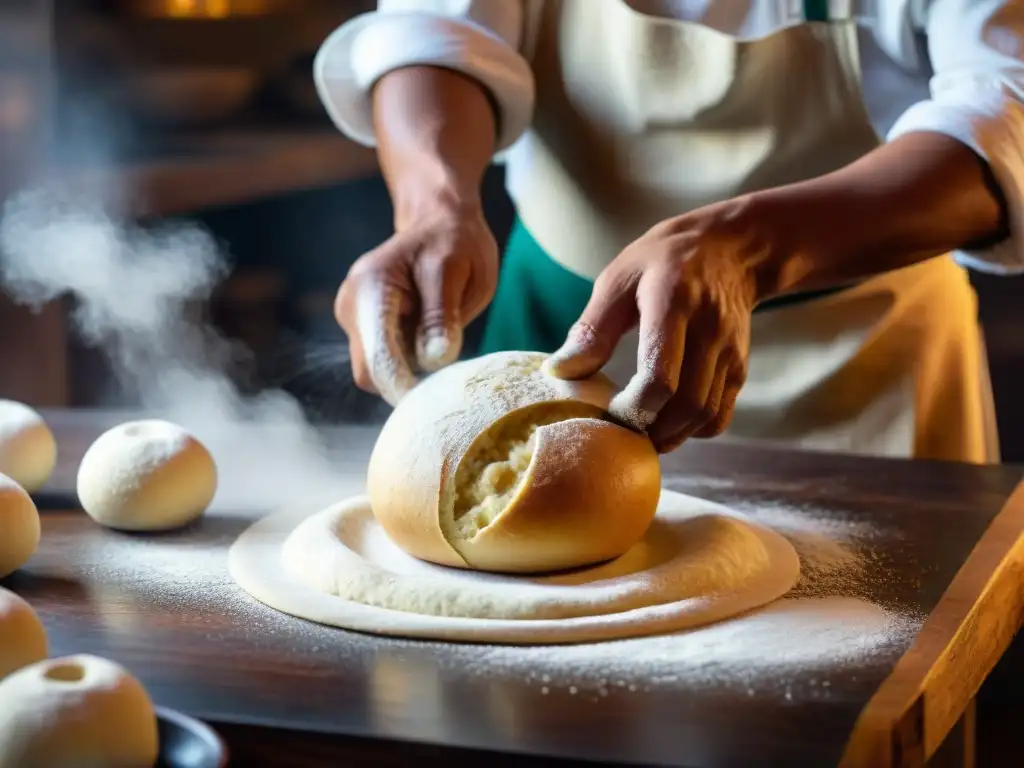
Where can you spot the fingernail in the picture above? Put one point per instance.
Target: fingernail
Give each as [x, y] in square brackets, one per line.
[436, 348]
[571, 360]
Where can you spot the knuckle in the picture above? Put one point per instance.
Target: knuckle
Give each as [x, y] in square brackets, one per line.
[663, 229]
[342, 306]
[364, 271]
[606, 281]
[434, 316]
[737, 376]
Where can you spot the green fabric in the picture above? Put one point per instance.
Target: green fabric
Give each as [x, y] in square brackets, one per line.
[816, 10]
[538, 299]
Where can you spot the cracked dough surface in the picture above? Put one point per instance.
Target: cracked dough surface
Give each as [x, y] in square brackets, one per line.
[699, 563]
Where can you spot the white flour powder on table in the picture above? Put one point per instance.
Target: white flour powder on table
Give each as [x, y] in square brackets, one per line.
[757, 653]
[819, 628]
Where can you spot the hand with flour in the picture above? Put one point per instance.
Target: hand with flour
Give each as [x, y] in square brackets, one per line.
[691, 284]
[404, 305]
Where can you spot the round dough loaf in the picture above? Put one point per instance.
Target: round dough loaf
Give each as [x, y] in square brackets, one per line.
[28, 451]
[76, 711]
[19, 526]
[494, 465]
[22, 637]
[147, 475]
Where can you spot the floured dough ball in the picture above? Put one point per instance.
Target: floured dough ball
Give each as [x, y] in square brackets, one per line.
[76, 712]
[22, 637]
[28, 451]
[147, 475]
[19, 526]
[494, 465]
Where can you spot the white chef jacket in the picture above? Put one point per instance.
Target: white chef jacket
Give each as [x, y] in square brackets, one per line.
[949, 66]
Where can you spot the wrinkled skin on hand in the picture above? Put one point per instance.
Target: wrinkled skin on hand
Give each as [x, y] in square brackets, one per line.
[690, 284]
[404, 305]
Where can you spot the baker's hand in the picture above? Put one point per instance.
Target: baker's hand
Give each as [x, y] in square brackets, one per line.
[690, 284]
[404, 304]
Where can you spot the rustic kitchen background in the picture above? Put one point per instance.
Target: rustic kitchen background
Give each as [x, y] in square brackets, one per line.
[205, 110]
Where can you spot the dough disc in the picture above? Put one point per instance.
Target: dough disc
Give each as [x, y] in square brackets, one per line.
[699, 563]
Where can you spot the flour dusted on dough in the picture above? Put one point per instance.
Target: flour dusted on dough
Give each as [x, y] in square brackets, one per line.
[148, 475]
[683, 558]
[698, 564]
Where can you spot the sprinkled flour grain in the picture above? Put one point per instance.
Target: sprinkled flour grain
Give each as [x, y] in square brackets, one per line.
[835, 553]
[788, 649]
[762, 651]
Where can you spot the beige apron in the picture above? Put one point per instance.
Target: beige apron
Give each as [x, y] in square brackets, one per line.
[640, 118]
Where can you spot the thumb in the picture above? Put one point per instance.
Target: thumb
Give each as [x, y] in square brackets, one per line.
[441, 284]
[610, 312]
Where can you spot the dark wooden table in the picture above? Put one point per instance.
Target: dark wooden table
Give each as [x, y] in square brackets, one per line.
[944, 543]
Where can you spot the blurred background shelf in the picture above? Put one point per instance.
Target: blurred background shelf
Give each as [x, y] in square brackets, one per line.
[223, 168]
[184, 105]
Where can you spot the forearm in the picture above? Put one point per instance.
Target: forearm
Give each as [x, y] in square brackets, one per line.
[915, 198]
[435, 138]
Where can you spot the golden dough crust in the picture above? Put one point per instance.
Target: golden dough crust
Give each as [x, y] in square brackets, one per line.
[548, 480]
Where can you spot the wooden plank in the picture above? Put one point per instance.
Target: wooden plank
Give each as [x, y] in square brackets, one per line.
[957, 647]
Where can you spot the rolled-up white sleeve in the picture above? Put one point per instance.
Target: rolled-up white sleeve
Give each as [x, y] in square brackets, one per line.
[976, 49]
[478, 38]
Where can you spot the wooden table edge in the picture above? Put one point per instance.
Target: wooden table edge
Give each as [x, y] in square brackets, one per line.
[959, 644]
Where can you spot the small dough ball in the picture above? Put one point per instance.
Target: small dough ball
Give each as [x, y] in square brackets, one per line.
[22, 637]
[147, 475]
[76, 712]
[28, 451]
[19, 526]
[493, 464]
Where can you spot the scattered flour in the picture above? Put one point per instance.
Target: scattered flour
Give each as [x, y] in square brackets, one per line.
[763, 650]
[836, 555]
[786, 650]
[822, 626]
[833, 557]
